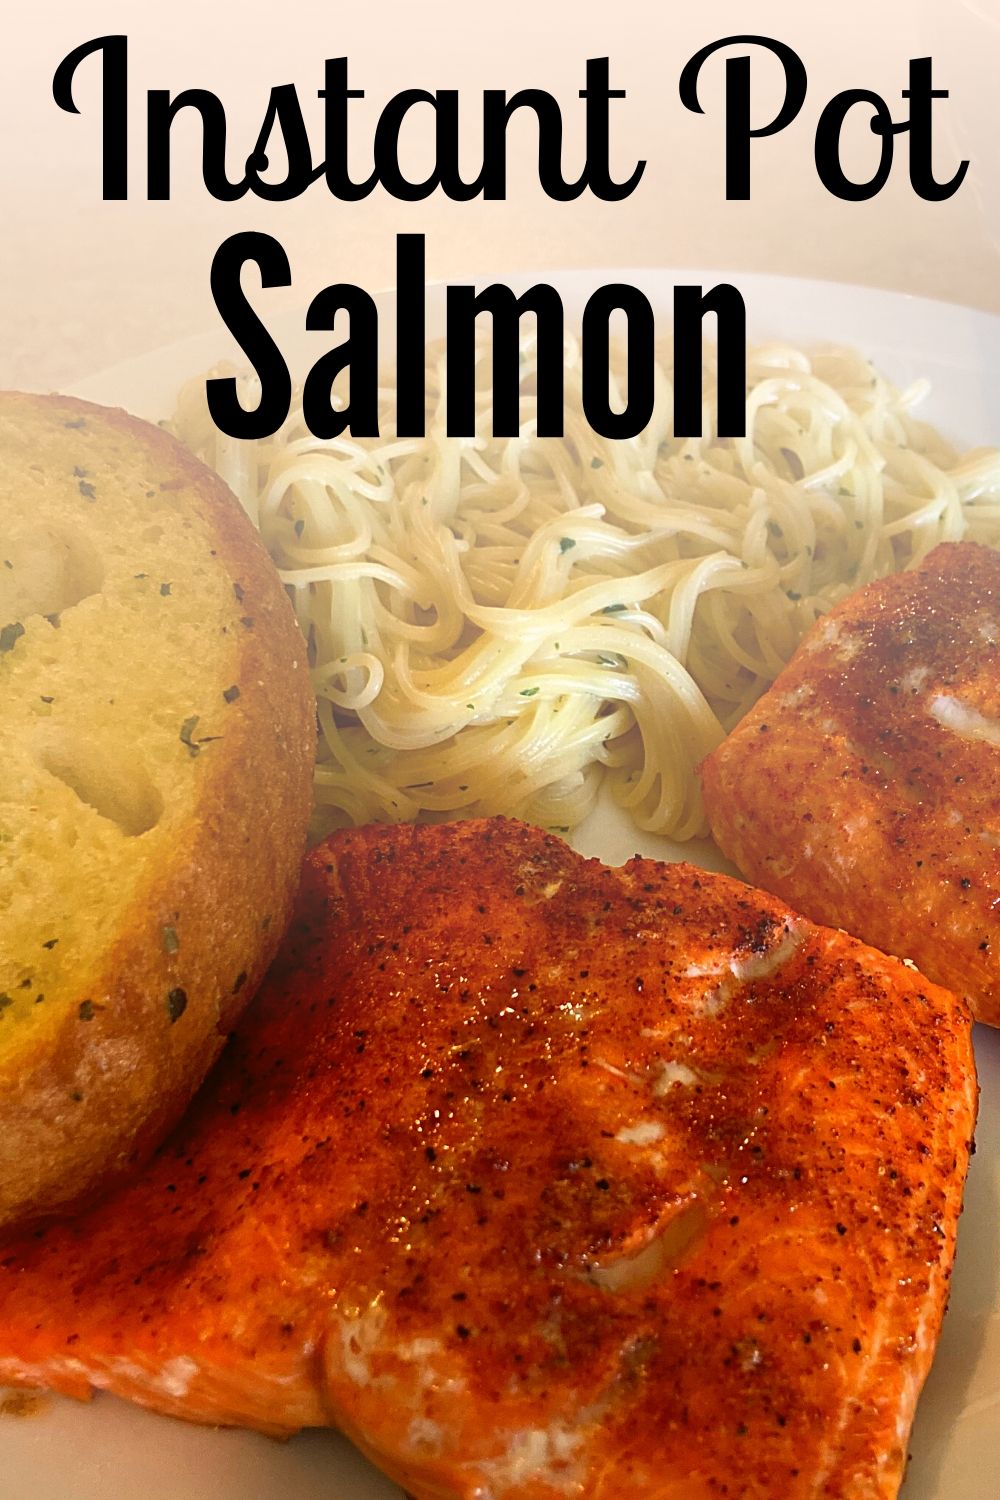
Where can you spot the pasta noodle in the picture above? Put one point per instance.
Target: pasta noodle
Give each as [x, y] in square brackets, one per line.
[498, 625]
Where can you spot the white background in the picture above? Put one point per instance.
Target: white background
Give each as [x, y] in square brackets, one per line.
[86, 283]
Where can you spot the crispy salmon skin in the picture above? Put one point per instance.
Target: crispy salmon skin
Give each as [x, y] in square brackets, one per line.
[540, 1179]
[864, 787]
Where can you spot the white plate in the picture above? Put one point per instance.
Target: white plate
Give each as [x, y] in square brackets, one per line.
[69, 1452]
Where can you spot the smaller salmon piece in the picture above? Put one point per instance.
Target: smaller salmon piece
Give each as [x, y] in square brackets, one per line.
[864, 787]
[541, 1180]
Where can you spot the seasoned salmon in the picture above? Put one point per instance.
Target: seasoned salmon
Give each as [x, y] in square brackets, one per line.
[541, 1180]
[864, 787]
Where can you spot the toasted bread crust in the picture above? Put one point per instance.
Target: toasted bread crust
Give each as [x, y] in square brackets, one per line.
[86, 1098]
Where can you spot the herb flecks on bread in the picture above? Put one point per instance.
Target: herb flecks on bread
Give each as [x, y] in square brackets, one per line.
[156, 738]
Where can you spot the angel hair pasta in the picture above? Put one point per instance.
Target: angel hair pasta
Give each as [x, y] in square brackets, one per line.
[499, 625]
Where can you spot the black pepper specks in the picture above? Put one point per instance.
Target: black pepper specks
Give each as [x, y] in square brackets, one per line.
[86, 1011]
[10, 635]
[231, 694]
[176, 1004]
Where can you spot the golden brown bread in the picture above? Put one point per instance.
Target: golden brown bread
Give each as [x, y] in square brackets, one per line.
[156, 737]
[864, 787]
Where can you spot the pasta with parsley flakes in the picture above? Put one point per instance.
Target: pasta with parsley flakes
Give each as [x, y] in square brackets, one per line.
[497, 625]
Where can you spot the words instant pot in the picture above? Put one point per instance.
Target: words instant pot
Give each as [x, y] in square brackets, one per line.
[284, 128]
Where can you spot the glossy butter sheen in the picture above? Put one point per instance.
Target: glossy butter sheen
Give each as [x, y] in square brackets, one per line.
[540, 1179]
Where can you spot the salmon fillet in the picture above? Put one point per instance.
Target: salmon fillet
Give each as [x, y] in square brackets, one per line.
[864, 787]
[540, 1179]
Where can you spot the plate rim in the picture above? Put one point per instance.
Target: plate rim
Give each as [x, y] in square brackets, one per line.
[884, 297]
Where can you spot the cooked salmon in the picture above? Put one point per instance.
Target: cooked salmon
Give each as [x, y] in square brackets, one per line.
[864, 787]
[540, 1179]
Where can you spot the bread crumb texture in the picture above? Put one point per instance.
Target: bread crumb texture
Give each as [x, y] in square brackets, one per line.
[149, 667]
